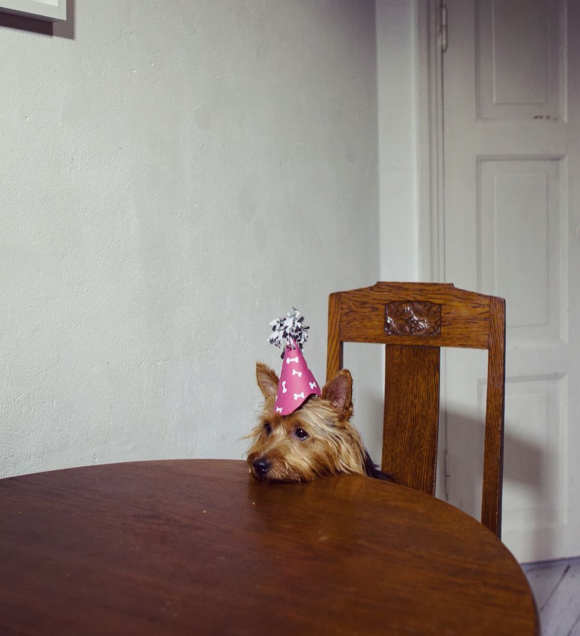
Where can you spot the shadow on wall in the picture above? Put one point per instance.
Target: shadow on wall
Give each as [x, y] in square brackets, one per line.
[529, 486]
[64, 29]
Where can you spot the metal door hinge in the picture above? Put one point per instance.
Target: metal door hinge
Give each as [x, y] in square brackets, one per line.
[443, 27]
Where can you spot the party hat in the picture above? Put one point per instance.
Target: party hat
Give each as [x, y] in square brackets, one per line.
[297, 383]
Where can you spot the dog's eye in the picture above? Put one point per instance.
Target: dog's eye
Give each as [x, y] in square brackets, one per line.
[267, 428]
[300, 433]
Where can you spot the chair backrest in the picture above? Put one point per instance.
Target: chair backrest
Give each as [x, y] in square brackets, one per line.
[414, 320]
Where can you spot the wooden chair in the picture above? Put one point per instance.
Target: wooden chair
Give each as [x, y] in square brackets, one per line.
[414, 320]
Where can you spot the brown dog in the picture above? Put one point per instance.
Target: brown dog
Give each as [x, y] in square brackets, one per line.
[314, 441]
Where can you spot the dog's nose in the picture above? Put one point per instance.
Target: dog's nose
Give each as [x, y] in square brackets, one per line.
[261, 465]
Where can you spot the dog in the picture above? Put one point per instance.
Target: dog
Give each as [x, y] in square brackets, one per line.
[315, 441]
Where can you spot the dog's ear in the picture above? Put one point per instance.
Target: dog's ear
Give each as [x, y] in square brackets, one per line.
[267, 380]
[339, 393]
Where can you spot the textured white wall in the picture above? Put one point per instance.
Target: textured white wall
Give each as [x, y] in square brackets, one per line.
[397, 80]
[171, 179]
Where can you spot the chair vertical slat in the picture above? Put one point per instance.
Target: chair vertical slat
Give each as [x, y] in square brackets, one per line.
[335, 347]
[494, 422]
[411, 420]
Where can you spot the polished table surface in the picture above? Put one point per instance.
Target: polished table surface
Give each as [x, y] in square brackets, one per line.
[200, 547]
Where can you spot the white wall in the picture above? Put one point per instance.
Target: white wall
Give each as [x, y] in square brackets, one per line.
[397, 81]
[172, 178]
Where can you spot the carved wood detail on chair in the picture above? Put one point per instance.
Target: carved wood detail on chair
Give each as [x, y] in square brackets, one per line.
[408, 318]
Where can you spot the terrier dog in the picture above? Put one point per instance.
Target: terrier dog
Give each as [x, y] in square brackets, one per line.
[315, 441]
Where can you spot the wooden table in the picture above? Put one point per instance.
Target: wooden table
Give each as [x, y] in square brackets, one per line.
[199, 547]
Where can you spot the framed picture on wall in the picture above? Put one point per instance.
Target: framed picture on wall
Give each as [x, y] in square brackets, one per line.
[49, 10]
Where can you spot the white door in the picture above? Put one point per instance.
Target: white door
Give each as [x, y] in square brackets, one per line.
[512, 229]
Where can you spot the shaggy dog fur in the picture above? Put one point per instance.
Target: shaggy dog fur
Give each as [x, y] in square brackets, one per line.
[315, 441]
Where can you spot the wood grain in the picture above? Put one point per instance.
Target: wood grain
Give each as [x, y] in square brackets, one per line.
[411, 416]
[199, 547]
[453, 318]
[464, 314]
[494, 419]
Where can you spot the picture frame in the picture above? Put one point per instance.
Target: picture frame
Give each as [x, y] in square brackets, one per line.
[47, 10]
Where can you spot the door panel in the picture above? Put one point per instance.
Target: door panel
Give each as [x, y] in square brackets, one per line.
[519, 225]
[518, 59]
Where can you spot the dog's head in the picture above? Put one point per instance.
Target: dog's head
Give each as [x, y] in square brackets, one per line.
[316, 440]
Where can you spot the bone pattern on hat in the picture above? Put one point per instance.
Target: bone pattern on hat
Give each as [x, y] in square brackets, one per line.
[297, 383]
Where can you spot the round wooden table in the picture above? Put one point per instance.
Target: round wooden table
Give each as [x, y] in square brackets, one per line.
[199, 547]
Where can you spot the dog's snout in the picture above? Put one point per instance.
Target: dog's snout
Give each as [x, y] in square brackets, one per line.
[261, 465]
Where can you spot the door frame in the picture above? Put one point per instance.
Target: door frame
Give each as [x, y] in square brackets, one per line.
[431, 181]
[430, 141]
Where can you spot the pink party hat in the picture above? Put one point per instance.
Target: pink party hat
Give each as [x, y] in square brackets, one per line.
[297, 382]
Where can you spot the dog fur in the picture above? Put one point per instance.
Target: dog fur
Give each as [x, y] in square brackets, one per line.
[315, 441]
